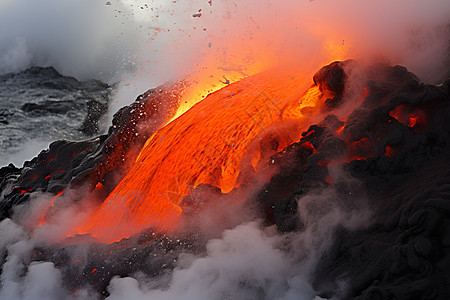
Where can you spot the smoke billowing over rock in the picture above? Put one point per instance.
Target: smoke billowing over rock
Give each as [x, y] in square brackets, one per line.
[356, 208]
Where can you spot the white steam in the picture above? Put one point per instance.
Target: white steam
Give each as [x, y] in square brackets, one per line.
[246, 263]
[35, 281]
[249, 261]
[85, 39]
[32, 149]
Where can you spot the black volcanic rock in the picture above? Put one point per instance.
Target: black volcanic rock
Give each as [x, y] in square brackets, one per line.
[96, 110]
[95, 264]
[332, 80]
[403, 164]
[100, 159]
[405, 253]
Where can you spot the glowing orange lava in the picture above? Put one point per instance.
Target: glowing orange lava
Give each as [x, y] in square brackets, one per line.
[42, 221]
[207, 144]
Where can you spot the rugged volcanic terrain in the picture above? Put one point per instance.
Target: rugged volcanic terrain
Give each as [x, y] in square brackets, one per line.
[371, 141]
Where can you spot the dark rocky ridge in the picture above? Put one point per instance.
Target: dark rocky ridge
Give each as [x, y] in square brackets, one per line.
[102, 159]
[404, 253]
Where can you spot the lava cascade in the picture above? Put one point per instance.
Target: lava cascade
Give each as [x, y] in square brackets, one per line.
[207, 144]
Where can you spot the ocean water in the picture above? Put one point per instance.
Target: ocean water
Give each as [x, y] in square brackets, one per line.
[39, 106]
[54, 59]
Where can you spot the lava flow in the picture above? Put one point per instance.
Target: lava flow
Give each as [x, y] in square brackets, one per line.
[207, 144]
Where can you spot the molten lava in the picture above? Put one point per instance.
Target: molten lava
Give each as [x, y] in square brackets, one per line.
[207, 144]
[42, 221]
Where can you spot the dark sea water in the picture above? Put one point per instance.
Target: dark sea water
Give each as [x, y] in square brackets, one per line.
[39, 105]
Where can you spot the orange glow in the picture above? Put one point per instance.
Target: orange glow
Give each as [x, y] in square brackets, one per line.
[416, 119]
[397, 112]
[389, 151]
[340, 129]
[236, 111]
[46, 210]
[413, 120]
[366, 93]
[337, 49]
[207, 144]
[359, 150]
[209, 79]
[308, 145]
[99, 186]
